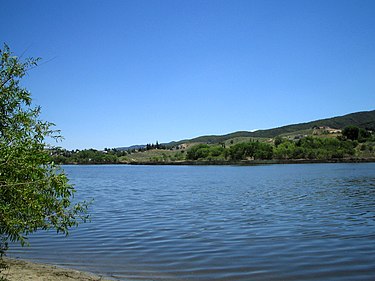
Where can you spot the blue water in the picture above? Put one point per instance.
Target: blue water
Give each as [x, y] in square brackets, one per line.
[275, 222]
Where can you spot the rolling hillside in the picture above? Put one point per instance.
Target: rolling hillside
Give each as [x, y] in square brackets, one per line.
[363, 119]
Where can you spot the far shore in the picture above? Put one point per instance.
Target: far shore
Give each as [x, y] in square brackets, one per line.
[20, 270]
[257, 162]
[235, 163]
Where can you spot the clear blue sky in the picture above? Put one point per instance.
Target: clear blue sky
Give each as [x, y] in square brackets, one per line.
[118, 73]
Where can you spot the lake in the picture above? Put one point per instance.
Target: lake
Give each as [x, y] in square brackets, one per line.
[272, 222]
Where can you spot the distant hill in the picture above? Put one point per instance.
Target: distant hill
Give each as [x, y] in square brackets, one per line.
[363, 119]
[131, 147]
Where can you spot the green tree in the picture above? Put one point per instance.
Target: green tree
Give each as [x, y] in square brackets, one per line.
[363, 135]
[263, 151]
[199, 151]
[278, 140]
[241, 151]
[284, 150]
[34, 192]
[248, 150]
[351, 132]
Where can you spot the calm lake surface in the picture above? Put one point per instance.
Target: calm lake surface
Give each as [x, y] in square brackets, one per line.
[275, 222]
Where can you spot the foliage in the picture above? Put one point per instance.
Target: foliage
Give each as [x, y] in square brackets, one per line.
[198, 152]
[305, 148]
[151, 146]
[86, 156]
[204, 151]
[317, 148]
[364, 120]
[364, 135]
[34, 192]
[278, 140]
[351, 132]
[114, 156]
[314, 148]
[250, 150]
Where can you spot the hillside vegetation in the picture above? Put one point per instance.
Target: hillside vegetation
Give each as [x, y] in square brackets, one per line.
[346, 137]
[364, 120]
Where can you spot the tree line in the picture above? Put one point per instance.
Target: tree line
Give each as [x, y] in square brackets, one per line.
[314, 148]
[352, 141]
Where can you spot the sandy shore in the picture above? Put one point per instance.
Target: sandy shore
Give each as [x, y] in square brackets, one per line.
[27, 271]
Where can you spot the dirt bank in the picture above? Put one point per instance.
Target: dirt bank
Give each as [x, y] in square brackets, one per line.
[27, 271]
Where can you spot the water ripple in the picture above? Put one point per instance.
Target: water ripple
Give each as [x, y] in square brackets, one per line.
[281, 222]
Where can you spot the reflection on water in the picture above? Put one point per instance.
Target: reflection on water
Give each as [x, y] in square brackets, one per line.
[277, 222]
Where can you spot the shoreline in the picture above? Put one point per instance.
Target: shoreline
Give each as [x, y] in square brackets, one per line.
[235, 163]
[255, 162]
[20, 270]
